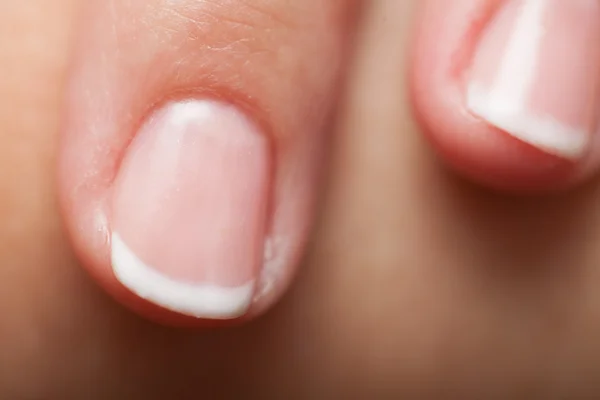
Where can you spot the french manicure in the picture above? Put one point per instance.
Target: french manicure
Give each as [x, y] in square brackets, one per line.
[189, 210]
[536, 74]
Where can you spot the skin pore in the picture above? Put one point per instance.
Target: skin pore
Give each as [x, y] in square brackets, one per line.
[416, 284]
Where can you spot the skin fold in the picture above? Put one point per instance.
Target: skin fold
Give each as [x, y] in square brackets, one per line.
[416, 284]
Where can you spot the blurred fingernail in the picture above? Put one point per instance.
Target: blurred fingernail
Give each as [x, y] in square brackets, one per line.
[536, 73]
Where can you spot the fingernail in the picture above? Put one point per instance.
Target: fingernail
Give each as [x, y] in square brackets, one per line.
[189, 210]
[536, 73]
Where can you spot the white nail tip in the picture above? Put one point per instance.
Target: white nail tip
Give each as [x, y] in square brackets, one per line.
[202, 301]
[543, 132]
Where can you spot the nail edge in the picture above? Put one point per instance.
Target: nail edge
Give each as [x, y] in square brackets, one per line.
[200, 301]
[564, 142]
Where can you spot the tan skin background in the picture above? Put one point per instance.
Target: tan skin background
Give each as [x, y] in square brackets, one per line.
[417, 285]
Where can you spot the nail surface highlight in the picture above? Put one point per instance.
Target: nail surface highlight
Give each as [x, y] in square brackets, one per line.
[536, 74]
[189, 210]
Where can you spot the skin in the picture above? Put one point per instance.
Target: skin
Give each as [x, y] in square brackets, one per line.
[254, 56]
[416, 283]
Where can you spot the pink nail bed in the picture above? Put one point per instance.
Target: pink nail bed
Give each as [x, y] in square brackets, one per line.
[189, 210]
[536, 73]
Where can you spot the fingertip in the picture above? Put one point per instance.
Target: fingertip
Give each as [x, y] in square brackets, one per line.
[189, 165]
[491, 113]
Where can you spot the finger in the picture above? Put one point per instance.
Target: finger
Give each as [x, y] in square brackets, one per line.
[192, 146]
[507, 91]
